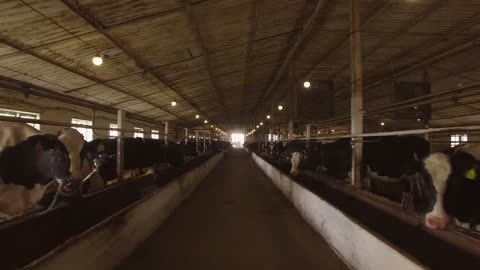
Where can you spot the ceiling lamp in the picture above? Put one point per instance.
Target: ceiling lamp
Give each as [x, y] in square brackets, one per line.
[174, 103]
[280, 107]
[333, 130]
[206, 121]
[261, 123]
[211, 126]
[97, 60]
[197, 116]
[268, 116]
[306, 84]
[382, 124]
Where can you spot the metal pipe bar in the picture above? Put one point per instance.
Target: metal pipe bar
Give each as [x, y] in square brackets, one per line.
[395, 133]
[120, 145]
[63, 124]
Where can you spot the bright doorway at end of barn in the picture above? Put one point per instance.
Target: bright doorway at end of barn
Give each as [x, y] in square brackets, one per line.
[238, 139]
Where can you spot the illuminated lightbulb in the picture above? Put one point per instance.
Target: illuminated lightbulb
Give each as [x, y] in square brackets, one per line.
[382, 123]
[268, 116]
[174, 103]
[306, 84]
[197, 116]
[280, 107]
[97, 60]
[206, 121]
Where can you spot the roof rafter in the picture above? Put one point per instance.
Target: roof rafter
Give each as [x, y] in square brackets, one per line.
[92, 20]
[250, 48]
[198, 36]
[402, 29]
[25, 49]
[307, 29]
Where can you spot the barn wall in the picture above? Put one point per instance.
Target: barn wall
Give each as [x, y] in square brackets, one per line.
[61, 112]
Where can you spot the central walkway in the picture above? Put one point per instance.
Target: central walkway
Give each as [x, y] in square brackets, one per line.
[236, 219]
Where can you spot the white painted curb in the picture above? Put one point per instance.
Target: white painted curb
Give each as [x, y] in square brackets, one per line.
[359, 248]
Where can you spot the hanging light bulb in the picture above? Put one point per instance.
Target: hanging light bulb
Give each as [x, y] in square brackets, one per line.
[211, 126]
[306, 84]
[174, 103]
[382, 124]
[280, 107]
[97, 60]
[258, 126]
[268, 116]
[206, 121]
[197, 116]
[261, 123]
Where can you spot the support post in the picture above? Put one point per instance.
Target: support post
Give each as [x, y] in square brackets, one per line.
[166, 133]
[196, 141]
[204, 144]
[309, 131]
[290, 130]
[120, 144]
[186, 135]
[356, 91]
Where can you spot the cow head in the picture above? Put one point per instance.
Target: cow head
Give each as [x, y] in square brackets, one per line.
[296, 160]
[437, 172]
[73, 142]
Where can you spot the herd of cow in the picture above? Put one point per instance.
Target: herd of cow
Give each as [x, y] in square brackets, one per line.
[401, 168]
[33, 164]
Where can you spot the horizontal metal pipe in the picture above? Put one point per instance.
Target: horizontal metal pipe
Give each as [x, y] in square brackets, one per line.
[395, 133]
[63, 124]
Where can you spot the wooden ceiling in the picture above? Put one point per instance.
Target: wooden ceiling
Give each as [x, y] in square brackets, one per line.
[228, 60]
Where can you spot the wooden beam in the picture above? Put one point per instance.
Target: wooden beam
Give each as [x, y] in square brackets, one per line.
[94, 22]
[251, 45]
[25, 49]
[194, 24]
[388, 38]
[307, 29]
[30, 89]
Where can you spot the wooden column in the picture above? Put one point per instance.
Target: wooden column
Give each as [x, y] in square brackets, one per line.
[356, 91]
[186, 135]
[309, 131]
[120, 144]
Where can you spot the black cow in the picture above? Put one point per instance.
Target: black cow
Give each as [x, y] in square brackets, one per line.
[139, 153]
[189, 149]
[453, 178]
[390, 164]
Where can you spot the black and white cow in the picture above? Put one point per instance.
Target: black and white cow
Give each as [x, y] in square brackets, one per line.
[454, 181]
[390, 164]
[30, 162]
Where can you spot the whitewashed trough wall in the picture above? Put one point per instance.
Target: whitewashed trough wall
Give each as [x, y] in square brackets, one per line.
[358, 247]
[106, 244]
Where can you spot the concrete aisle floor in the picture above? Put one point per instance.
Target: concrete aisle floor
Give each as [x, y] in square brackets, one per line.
[236, 219]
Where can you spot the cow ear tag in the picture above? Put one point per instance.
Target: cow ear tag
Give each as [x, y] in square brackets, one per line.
[471, 174]
[38, 147]
[100, 148]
